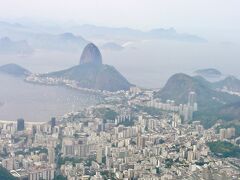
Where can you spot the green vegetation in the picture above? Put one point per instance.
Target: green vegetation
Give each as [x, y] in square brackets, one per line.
[224, 149]
[212, 113]
[150, 110]
[33, 149]
[88, 162]
[73, 160]
[18, 139]
[168, 163]
[212, 105]
[104, 159]
[230, 125]
[127, 123]
[161, 141]
[158, 170]
[4, 152]
[110, 114]
[208, 117]
[60, 177]
[93, 77]
[4, 174]
[201, 163]
[14, 69]
[113, 145]
[106, 113]
[58, 155]
[107, 174]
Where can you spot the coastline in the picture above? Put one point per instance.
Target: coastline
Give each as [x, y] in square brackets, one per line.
[26, 122]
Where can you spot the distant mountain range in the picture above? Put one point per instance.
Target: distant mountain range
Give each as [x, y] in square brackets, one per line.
[208, 73]
[15, 70]
[63, 42]
[161, 33]
[112, 46]
[37, 38]
[60, 42]
[92, 74]
[54, 37]
[7, 46]
[211, 101]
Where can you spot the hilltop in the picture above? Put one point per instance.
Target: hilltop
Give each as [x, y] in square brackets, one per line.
[211, 102]
[92, 74]
[14, 69]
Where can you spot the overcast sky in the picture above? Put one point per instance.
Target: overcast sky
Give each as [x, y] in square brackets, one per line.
[197, 16]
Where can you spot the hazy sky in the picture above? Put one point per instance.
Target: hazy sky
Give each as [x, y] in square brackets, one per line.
[197, 16]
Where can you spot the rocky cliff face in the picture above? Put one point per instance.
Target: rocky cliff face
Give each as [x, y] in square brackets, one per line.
[91, 55]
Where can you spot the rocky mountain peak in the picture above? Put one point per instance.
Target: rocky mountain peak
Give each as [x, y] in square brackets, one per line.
[91, 55]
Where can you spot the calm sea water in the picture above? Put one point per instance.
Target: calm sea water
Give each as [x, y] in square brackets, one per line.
[36, 102]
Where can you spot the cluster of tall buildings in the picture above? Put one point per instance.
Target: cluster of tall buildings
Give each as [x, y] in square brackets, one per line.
[27, 150]
[186, 110]
[191, 106]
[90, 145]
[227, 133]
[122, 118]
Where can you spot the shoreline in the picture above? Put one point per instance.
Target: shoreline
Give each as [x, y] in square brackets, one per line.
[26, 122]
[64, 85]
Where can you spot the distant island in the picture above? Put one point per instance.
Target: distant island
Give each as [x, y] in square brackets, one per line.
[88, 30]
[15, 70]
[112, 46]
[8, 46]
[208, 73]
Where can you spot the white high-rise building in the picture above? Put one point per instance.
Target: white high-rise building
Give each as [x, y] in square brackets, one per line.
[99, 155]
[37, 174]
[222, 133]
[51, 155]
[230, 132]
[191, 99]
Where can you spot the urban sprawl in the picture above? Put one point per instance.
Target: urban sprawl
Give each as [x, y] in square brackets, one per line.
[129, 135]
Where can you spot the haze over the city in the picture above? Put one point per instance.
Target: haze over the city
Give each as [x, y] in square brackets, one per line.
[147, 41]
[119, 89]
[215, 21]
